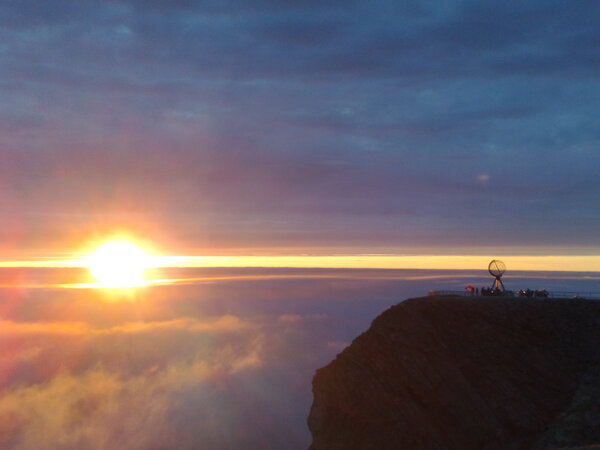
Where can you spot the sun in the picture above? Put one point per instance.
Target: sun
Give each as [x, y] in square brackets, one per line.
[118, 264]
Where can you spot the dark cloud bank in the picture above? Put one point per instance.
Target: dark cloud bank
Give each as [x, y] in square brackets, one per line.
[276, 124]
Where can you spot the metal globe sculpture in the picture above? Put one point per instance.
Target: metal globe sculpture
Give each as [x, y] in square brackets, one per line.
[496, 268]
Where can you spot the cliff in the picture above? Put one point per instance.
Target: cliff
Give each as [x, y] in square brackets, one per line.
[465, 373]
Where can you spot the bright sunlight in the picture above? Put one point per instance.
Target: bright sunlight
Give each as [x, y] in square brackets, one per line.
[119, 264]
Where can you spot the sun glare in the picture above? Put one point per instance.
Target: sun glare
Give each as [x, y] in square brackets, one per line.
[118, 264]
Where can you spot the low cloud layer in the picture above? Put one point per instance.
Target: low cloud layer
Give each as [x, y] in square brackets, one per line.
[221, 365]
[218, 365]
[173, 384]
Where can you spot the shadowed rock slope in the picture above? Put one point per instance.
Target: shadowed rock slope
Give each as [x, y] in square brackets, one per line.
[465, 373]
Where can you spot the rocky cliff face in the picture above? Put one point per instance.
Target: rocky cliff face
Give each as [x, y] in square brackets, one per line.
[465, 373]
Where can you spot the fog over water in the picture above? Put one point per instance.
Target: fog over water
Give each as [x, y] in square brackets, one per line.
[221, 359]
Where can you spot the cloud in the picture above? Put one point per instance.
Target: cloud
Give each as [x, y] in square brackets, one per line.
[299, 318]
[221, 324]
[80, 412]
[98, 410]
[36, 328]
[206, 119]
[131, 386]
[218, 365]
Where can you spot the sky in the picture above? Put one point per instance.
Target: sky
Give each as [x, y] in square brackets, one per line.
[314, 127]
[333, 136]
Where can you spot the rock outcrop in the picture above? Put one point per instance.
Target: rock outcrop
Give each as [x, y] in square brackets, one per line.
[465, 373]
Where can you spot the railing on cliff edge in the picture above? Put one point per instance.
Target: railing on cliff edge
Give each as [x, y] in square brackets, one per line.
[551, 294]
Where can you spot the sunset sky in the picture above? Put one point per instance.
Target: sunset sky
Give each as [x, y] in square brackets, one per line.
[301, 128]
[203, 202]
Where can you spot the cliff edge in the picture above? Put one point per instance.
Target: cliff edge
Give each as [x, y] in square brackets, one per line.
[465, 373]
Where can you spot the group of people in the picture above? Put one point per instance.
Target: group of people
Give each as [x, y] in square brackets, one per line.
[491, 291]
[533, 294]
[483, 291]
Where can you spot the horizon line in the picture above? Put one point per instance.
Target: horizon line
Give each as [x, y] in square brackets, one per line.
[562, 263]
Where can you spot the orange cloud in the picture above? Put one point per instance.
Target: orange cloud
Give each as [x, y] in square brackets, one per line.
[101, 408]
[223, 323]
